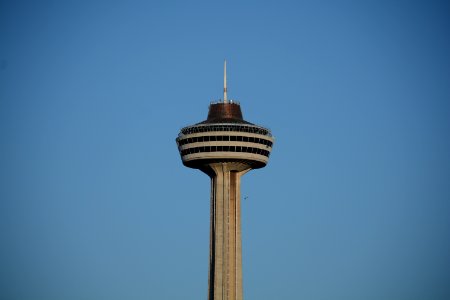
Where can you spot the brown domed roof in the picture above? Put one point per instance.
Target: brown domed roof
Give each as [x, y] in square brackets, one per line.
[225, 112]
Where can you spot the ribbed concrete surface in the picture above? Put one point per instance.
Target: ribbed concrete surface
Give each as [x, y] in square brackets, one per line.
[225, 259]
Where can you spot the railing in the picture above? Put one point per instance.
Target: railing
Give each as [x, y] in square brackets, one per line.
[224, 127]
[221, 101]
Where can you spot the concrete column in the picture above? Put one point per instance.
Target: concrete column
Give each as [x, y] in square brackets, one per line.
[225, 258]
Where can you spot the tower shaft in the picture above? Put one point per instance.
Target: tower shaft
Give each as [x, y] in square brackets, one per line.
[225, 258]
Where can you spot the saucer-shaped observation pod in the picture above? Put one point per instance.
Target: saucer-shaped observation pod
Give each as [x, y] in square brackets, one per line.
[224, 137]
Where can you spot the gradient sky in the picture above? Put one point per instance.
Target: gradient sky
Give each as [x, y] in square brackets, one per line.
[95, 203]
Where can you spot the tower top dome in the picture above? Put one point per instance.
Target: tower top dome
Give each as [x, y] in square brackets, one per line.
[225, 112]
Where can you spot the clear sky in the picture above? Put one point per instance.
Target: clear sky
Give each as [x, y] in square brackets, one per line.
[95, 203]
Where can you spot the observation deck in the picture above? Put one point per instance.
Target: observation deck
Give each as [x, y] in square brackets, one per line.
[224, 137]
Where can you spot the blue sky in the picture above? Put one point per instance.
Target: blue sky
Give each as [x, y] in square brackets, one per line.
[94, 200]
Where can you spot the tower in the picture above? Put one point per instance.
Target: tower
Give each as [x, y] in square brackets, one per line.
[225, 147]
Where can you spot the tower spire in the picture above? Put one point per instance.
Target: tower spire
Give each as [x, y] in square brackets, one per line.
[225, 100]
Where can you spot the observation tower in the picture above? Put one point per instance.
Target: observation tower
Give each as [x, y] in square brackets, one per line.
[225, 147]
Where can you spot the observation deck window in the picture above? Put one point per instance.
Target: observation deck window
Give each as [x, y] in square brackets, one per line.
[220, 138]
[225, 149]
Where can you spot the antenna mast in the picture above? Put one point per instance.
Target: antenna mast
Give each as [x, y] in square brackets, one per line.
[225, 100]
